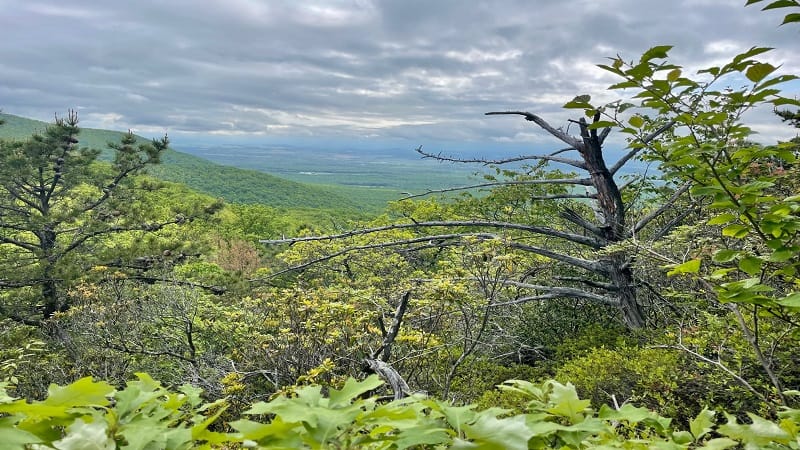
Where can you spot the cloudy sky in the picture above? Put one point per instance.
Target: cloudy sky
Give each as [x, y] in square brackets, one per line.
[359, 71]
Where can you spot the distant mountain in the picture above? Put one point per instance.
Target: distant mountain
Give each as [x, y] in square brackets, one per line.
[232, 184]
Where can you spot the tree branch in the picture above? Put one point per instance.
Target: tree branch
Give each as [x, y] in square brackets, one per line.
[564, 137]
[379, 245]
[394, 329]
[546, 231]
[644, 141]
[591, 266]
[668, 204]
[572, 181]
[571, 162]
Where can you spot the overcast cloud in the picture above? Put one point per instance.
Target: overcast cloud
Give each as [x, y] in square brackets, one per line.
[360, 70]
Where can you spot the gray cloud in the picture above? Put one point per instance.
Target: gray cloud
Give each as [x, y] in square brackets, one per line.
[412, 70]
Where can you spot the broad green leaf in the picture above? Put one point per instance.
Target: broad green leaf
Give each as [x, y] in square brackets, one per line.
[783, 255]
[780, 4]
[627, 412]
[682, 437]
[674, 74]
[721, 219]
[624, 85]
[422, 435]
[702, 424]
[14, 438]
[86, 436]
[725, 255]
[566, 402]
[736, 231]
[83, 392]
[750, 53]
[657, 52]
[758, 434]
[790, 301]
[579, 102]
[352, 389]
[256, 431]
[691, 266]
[636, 121]
[790, 18]
[751, 265]
[492, 433]
[720, 444]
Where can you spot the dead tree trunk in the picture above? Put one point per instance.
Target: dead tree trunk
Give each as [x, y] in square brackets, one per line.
[378, 362]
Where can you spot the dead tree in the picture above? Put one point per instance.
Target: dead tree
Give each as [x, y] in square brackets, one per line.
[607, 278]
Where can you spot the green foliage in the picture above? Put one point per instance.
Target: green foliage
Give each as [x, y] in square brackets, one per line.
[81, 416]
[142, 415]
[780, 4]
[648, 377]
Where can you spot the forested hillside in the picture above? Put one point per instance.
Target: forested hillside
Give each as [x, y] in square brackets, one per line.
[232, 184]
[540, 308]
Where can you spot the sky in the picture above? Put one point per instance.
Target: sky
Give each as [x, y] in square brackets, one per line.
[358, 72]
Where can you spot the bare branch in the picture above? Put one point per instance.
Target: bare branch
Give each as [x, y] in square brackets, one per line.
[345, 251]
[552, 292]
[592, 283]
[667, 205]
[572, 162]
[591, 266]
[558, 292]
[394, 329]
[547, 231]
[572, 181]
[564, 137]
[644, 141]
[577, 219]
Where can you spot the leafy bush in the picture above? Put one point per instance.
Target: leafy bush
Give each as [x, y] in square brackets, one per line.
[144, 415]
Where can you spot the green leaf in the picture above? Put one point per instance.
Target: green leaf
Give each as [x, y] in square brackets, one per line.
[725, 255]
[702, 424]
[783, 255]
[750, 53]
[566, 402]
[659, 51]
[674, 74]
[759, 71]
[601, 124]
[636, 121]
[353, 388]
[751, 265]
[736, 231]
[758, 434]
[720, 443]
[790, 18]
[579, 102]
[790, 301]
[492, 433]
[86, 436]
[83, 392]
[14, 438]
[780, 4]
[624, 85]
[691, 266]
[721, 219]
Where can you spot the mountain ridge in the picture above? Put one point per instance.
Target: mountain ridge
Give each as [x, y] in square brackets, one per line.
[233, 184]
